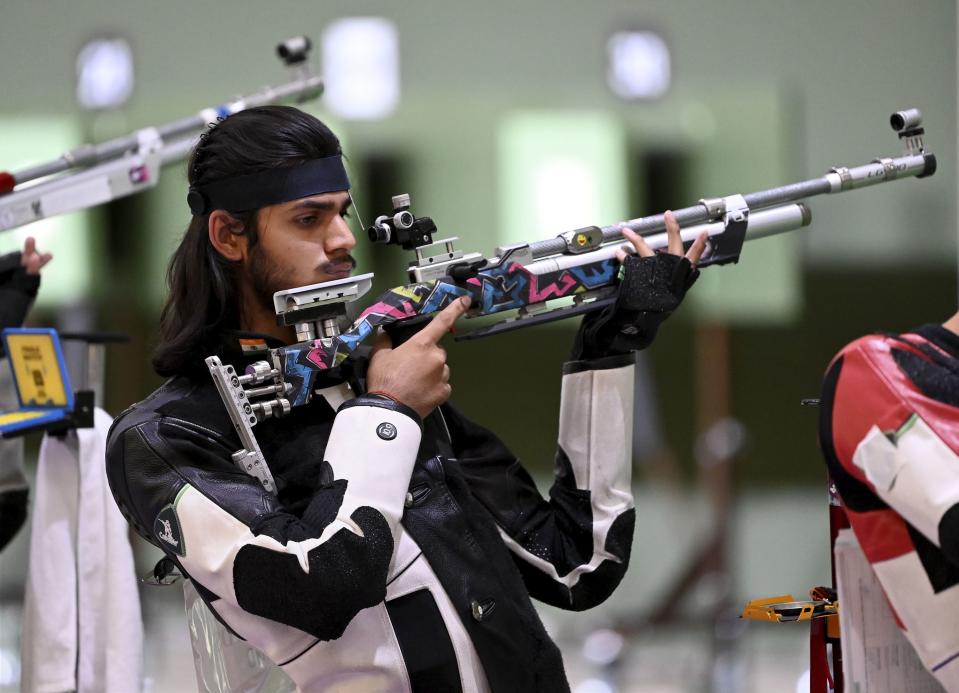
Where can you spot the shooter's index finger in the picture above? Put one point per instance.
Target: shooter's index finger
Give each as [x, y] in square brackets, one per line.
[696, 249]
[639, 245]
[444, 320]
[674, 238]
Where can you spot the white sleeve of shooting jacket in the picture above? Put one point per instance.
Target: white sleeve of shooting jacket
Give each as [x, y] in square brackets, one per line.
[916, 473]
[304, 582]
[374, 448]
[595, 434]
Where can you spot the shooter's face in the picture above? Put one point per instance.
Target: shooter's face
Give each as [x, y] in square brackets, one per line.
[306, 241]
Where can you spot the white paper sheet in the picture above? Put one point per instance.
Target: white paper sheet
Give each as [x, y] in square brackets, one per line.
[877, 657]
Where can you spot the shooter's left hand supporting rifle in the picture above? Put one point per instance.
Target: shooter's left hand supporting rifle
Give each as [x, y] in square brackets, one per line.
[94, 174]
[580, 264]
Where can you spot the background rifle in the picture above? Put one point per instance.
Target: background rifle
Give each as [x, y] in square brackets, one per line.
[579, 264]
[95, 174]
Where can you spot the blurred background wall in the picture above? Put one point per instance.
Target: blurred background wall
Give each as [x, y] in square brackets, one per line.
[760, 94]
[504, 127]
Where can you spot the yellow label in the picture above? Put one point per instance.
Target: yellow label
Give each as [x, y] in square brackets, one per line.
[37, 370]
[18, 416]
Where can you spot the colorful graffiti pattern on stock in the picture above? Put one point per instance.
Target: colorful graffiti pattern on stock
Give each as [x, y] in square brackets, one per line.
[507, 286]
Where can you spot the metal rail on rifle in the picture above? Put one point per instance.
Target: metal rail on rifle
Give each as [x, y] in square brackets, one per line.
[95, 174]
[580, 265]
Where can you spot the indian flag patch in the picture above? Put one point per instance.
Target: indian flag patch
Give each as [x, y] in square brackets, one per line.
[253, 346]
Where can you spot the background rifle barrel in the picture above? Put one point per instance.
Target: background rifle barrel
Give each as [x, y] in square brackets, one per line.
[879, 171]
[90, 154]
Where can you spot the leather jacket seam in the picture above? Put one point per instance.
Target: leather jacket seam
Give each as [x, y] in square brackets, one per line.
[144, 440]
[173, 468]
[191, 427]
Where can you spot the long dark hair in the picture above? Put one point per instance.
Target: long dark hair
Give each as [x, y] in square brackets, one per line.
[202, 287]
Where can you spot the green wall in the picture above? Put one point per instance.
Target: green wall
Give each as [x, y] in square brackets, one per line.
[764, 93]
[845, 67]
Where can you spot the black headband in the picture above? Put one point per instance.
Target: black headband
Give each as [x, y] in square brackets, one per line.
[270, 187]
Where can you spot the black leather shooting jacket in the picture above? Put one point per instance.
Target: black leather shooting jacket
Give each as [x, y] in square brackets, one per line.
[403, 562]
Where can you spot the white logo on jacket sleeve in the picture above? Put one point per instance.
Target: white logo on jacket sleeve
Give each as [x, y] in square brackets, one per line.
[167, 530]
[167, 533]
[386, 431]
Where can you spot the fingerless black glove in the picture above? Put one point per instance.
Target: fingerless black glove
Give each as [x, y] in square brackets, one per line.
[651, 289]
[17, 291]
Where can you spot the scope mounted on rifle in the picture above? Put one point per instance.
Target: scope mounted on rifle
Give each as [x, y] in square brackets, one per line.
[295, 50]
[908, 124]
[402, 228]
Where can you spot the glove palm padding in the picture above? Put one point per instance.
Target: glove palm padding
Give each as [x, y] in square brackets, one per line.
[650, 290]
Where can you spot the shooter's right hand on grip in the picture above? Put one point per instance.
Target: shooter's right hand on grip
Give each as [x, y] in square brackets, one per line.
[415, 373]
[400, 332]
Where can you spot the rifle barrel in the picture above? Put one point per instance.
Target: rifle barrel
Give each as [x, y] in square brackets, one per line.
[762, 223]
[837, 180]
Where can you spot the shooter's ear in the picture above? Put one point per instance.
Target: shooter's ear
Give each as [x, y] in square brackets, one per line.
[226, 235]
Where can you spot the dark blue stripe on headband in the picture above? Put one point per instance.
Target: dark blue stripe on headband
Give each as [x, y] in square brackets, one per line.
[270, 187]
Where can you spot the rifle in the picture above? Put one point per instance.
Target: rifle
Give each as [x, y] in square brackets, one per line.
[99, 173]
[579, 264]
